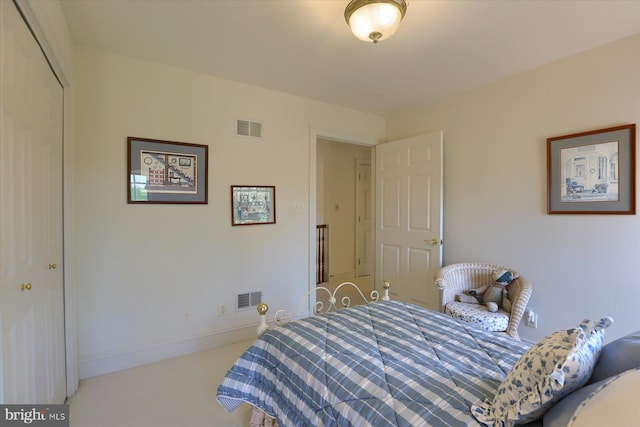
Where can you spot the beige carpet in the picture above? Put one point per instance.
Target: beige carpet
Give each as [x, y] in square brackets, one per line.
[179, 392]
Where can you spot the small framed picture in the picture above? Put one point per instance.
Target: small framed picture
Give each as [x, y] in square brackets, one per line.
[253, 204]
[592, 172]
[166, 172]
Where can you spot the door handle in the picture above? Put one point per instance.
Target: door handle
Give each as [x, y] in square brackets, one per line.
[24, 287]
[52, 266]
[434, 242]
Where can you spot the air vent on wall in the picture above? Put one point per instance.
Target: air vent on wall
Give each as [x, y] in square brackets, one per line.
[248, 128]
[248, 300]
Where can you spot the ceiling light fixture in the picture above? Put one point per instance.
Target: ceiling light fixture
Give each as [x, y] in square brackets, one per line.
[374, 20]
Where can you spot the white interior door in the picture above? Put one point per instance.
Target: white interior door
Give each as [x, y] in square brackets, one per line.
[364, 220]
[409, 217]
[32, 358]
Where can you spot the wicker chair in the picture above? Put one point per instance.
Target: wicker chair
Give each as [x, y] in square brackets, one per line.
[457, 278]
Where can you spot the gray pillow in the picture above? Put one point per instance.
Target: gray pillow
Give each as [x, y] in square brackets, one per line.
[621, 390]
[616, 357]
[562, 412]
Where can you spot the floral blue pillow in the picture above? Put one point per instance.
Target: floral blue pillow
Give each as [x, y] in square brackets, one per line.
[548, 371]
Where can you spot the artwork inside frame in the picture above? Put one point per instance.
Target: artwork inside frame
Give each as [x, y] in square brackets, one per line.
[592, 172]
[253, 204]
[166, 172]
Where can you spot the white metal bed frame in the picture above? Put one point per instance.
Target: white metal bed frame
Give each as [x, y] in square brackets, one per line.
[281, 318]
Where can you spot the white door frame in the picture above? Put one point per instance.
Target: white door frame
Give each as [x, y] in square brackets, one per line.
[314, 135]
[46, 21]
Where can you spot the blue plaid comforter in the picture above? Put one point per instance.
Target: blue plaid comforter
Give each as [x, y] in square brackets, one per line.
[381, 364]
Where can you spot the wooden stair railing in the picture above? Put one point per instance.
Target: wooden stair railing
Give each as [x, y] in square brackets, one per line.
[321, 250]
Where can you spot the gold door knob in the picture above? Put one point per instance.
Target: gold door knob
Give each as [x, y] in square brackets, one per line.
[433, 242]
[52, 266]
[27, 287]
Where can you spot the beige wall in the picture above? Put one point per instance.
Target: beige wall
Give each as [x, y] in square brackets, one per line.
[151, 278]
[581, 266]
[132, 294]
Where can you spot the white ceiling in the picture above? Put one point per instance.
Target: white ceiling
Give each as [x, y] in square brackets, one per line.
[304, 47]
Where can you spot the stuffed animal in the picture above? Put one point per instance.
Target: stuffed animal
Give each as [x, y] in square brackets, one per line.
[493, 296]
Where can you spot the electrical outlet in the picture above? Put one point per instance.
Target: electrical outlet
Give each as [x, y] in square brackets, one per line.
[532, 319]
[186, 314]
[222, 310]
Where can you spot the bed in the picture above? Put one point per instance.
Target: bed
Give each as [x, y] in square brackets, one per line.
[385, 363]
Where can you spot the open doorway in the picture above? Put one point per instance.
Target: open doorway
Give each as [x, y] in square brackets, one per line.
[408, 220]
[344, 209]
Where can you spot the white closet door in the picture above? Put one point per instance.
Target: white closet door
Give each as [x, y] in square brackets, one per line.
[31, 286]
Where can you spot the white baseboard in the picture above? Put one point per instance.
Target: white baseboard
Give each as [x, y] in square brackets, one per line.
[100, 365]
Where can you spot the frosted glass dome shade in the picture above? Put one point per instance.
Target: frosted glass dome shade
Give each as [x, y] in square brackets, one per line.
[374, 21]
